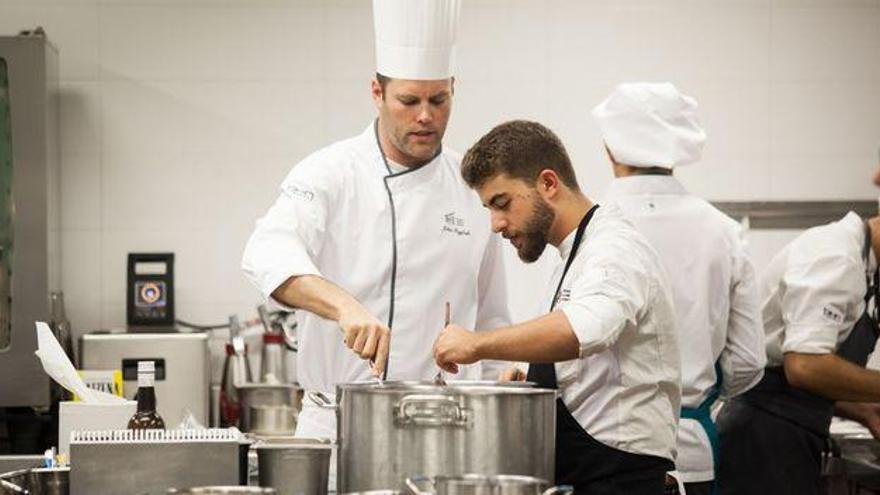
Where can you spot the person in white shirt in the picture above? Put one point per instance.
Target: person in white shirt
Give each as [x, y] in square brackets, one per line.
[649, 129]
[608, 342]
[819, 310]
[371, 235]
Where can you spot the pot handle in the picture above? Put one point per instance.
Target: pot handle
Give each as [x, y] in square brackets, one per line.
[559, 489]
[321, 400]
[431, 410]
[416, 484]
[12, 487]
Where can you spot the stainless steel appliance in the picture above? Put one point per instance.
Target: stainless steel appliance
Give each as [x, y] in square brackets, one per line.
[182, 367]
[269, 409]
[29, 212]
[478, 484]
[134, 462]
[389, 432]
[295, 466]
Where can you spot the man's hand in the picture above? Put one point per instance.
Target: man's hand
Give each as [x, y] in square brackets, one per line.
[866, 413]
[455, 346]
[365, 335]
[512, 374]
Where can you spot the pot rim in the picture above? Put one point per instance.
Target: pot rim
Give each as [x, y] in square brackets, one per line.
[294, 443]
[458, 387]
[268, 386]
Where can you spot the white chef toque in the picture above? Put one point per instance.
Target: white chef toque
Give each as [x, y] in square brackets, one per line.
[651, 125]
[415, 39]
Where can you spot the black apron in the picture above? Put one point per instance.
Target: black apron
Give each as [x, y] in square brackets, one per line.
[772, 436]
[582, 461]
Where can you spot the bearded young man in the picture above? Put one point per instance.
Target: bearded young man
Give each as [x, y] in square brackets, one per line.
[608, 342]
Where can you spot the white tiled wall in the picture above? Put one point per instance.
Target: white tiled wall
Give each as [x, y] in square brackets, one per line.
[180, 117]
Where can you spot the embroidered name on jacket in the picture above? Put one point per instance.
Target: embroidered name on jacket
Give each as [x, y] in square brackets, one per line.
[299, 192]
[454, 224]
[564, 295]
[832, 314]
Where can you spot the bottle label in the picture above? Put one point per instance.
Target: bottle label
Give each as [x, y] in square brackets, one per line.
[146, 380]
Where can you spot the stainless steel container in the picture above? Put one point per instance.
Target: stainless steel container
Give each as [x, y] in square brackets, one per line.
[223, 490]
[394, 430]
[478, 484]
[294, 466]
[49, 481]
[269, 409]
[36, 481]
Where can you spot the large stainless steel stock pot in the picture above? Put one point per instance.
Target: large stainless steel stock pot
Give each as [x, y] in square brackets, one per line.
[390, 431]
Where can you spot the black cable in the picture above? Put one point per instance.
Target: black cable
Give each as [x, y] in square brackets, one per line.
[201, 328]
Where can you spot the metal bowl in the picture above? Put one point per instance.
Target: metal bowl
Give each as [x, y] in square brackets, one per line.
[269, 401]
[222, 490]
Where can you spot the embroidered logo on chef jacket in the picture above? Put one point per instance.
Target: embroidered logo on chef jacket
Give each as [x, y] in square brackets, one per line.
[454, 224]
[564, 295]
[300, 192]
[832, 314]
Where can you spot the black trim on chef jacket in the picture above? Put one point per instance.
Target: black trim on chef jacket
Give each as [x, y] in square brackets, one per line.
[773, 436]
[392, 175]
[581, 460]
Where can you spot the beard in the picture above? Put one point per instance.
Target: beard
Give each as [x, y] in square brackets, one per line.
[534, 234]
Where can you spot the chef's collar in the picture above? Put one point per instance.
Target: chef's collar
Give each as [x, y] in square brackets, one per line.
[640, 184]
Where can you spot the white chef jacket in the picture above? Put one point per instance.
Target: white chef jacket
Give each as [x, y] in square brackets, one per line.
[715, 294]
[813, 290]
[334, 219]
[624, 389]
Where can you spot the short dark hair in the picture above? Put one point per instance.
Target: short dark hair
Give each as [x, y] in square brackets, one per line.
[383, 81]
[521, 149]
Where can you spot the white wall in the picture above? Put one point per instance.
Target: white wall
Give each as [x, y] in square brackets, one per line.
[180, 118]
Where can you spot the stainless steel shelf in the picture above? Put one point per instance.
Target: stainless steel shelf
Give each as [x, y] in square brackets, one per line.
[794, 214]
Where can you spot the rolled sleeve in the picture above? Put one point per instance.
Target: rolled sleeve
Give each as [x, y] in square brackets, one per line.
[287, 239]
[603, 301]
[743, 358]
[820, 301]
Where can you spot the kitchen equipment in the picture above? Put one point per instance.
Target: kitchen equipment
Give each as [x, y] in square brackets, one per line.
[295, 466]
[150, 295]
[16, 462]
[272, 420]
[133, 462]
[272, 361]
[223, 490]
[477, 484]
[36, 481]
[236, 371]
[49, 481]
[182, 367]
[389, 432]
[14, 482]
[30, 249]
[438, 379]
[269, 409]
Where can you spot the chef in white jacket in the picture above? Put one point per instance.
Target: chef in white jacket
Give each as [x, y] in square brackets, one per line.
[372, 235]
[649, 129]
[608, 341]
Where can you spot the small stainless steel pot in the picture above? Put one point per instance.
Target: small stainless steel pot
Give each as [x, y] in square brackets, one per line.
[269, 409]
[223, 490]
[294, 466]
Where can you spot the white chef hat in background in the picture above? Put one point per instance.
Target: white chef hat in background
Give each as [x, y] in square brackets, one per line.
[415, 39]
[651, 125]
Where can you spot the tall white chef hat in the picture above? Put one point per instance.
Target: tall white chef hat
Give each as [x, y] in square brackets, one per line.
[415, 39]
[651, 125]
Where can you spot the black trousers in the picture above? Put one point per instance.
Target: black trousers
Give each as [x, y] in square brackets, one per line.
[701, 488]
[765, 453]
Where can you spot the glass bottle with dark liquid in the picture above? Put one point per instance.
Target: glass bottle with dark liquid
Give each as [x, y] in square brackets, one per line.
[146, 417]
